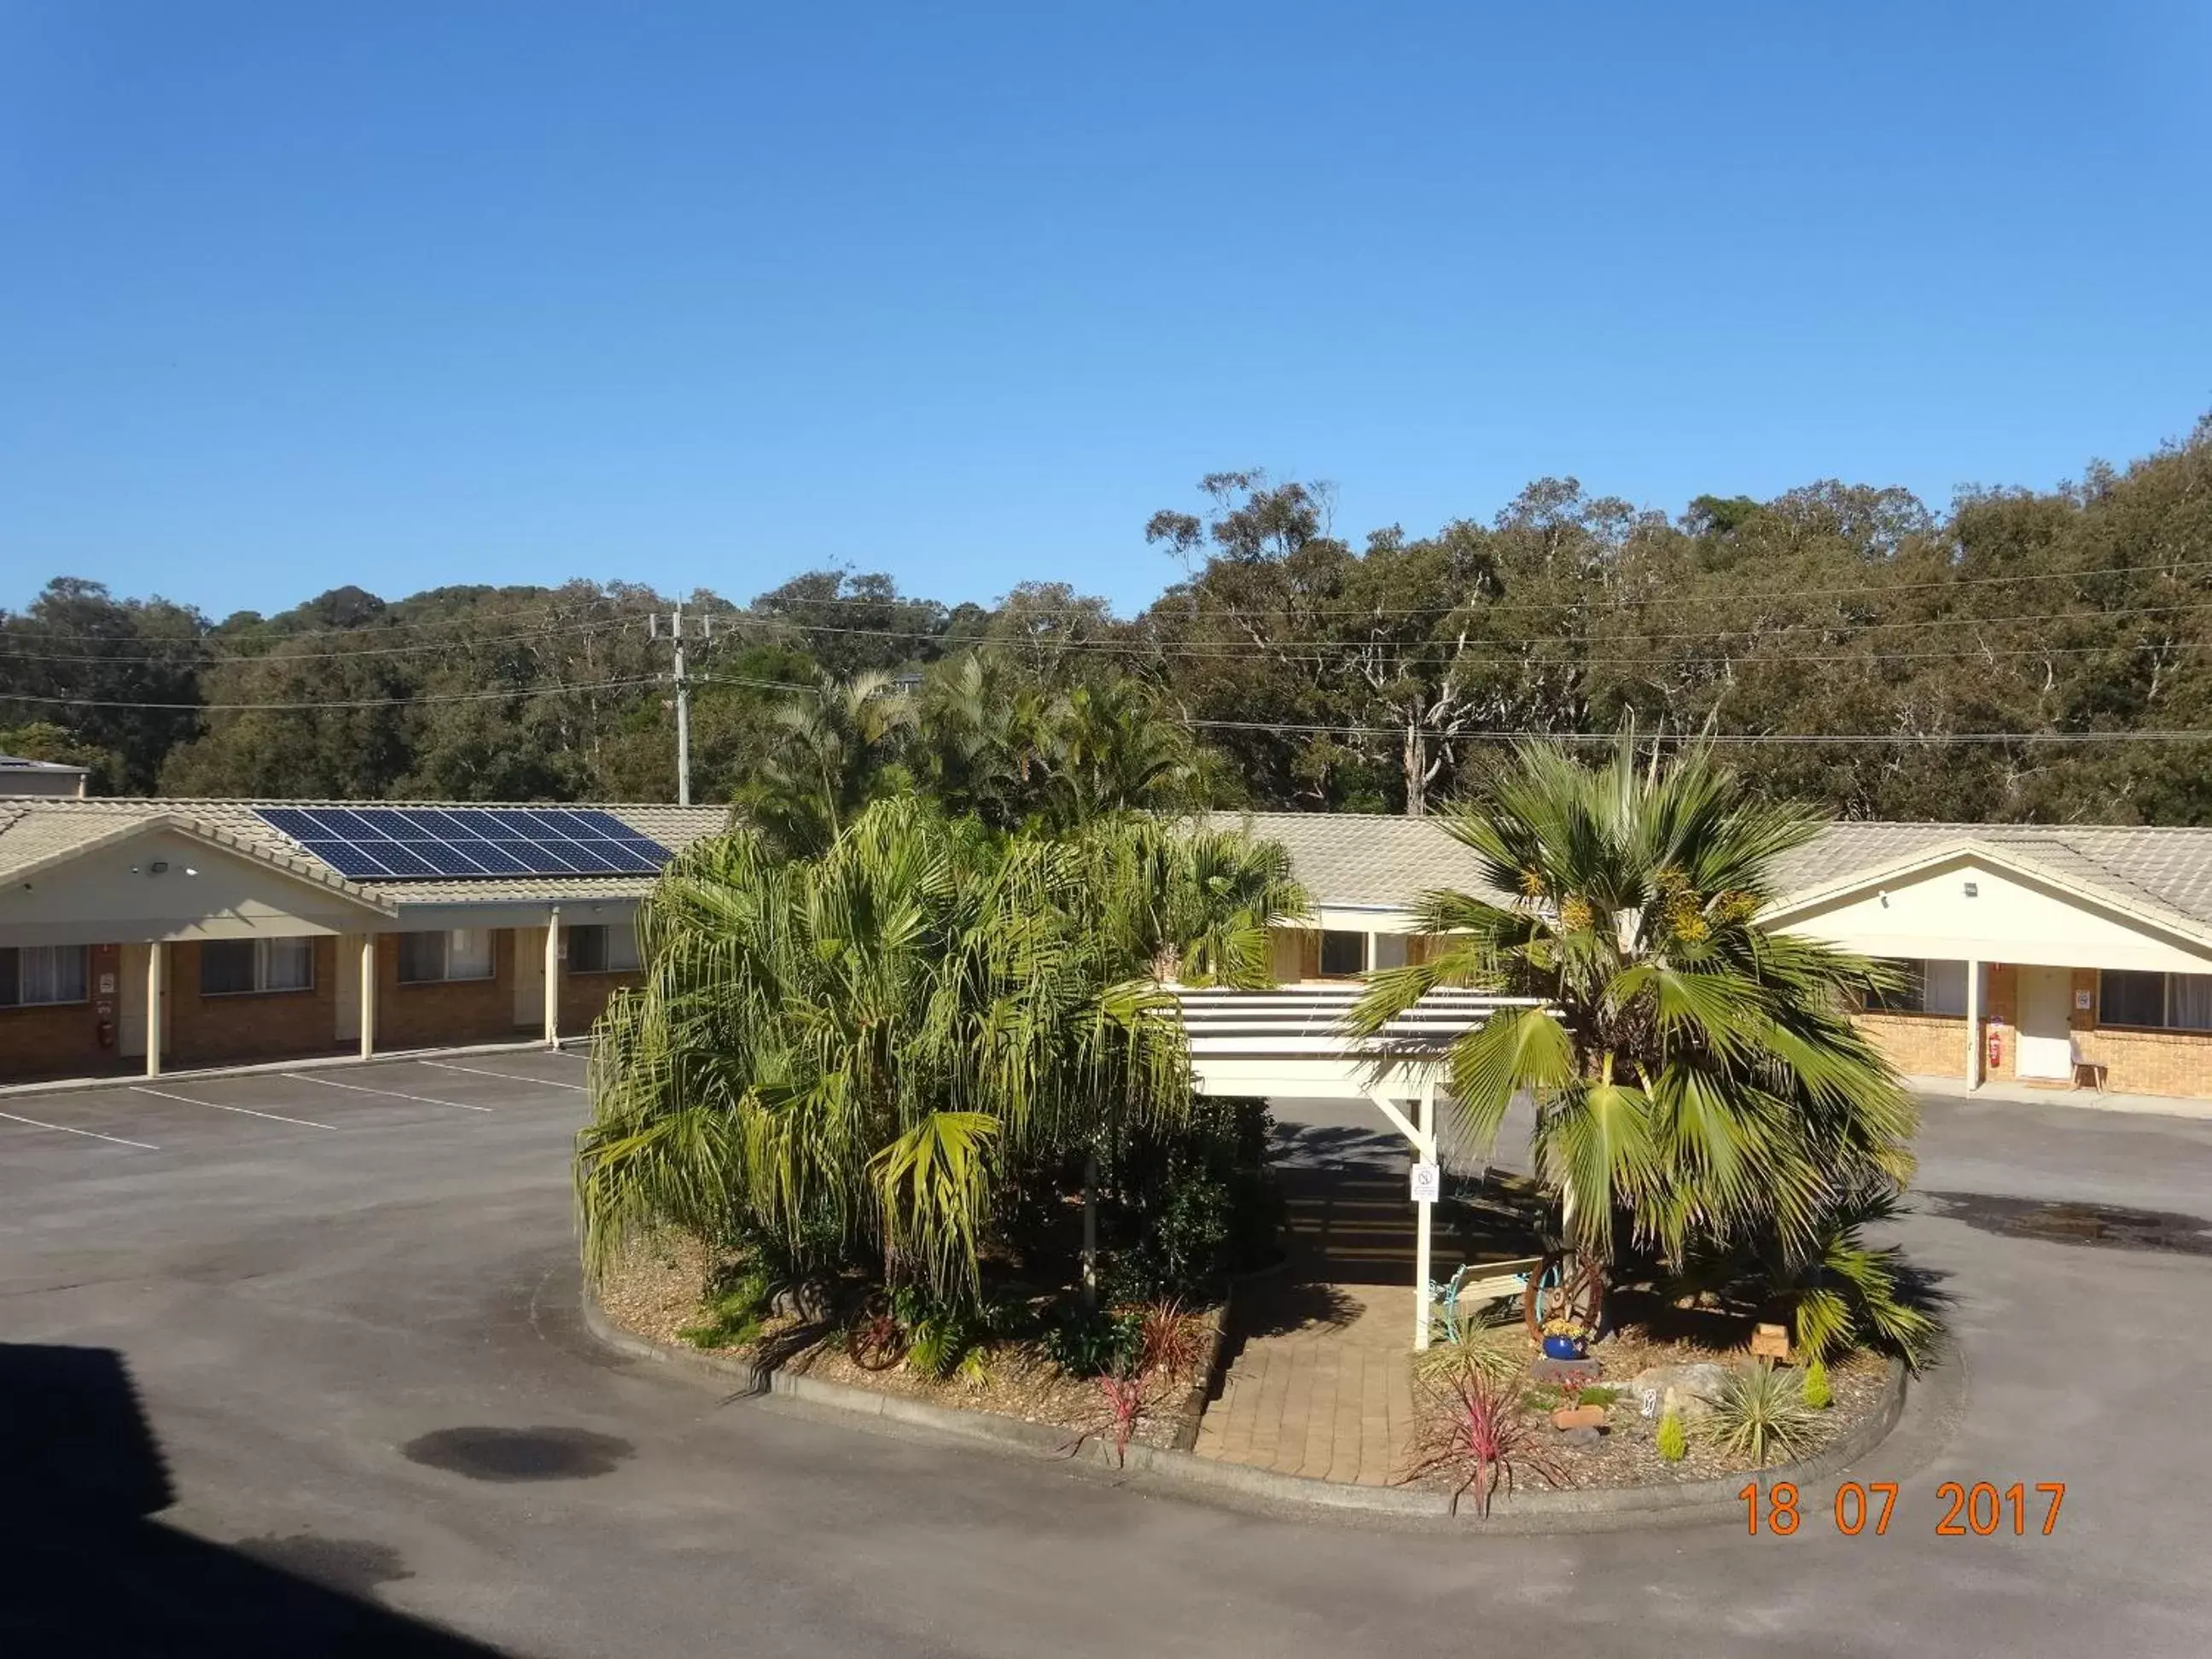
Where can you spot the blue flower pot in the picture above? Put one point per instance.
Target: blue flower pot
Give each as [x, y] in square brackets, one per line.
[1563, 1347]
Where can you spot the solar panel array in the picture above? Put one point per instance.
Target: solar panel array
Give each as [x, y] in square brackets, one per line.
[403, 843]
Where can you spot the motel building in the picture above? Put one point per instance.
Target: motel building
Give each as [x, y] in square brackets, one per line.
[142, 935]
[2059, 958]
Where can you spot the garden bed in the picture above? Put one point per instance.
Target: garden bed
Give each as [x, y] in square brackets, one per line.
[1625, 1453]
[653, 1291]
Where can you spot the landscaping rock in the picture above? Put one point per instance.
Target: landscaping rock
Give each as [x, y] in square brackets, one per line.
[1567, 1373]
[1579, 1416]
[1699, 1383]
[1581, 1437]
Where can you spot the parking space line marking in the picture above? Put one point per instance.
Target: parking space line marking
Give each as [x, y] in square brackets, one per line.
[243, 1111]
[394, 1094]
[505, 1077]
[63, 1128]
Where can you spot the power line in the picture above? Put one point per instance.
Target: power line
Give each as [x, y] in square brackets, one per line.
[225, 661]
[1487, 651]
[1933, 738]
[336, 703]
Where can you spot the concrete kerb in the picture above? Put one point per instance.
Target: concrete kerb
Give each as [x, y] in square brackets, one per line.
[1575, 1510]
[279, 1067]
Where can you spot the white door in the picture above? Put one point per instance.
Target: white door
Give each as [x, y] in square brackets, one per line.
[2046, 1044]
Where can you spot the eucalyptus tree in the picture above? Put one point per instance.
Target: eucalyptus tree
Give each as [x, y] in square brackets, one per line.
[1700, 1090]
[848, 1053]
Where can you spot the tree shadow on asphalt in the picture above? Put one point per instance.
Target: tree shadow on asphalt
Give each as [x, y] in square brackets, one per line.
[84, 1568]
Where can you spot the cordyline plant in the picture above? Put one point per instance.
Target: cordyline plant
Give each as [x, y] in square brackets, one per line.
[845, 1054]
[1474, 1426]
[1699, 1086]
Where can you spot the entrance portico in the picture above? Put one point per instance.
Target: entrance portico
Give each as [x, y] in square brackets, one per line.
[1291, 1041]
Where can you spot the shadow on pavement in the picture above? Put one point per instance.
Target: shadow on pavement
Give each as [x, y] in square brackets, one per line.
[85, 1569]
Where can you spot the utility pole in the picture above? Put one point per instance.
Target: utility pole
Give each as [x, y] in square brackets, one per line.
[682, 695]
[683, 716]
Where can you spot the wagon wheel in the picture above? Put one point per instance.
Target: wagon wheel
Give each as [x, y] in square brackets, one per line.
[1567, 1285]
[875, 1340]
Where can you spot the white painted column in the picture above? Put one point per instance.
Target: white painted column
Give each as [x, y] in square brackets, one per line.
[1425, 1149]
[367, 995]
[1973, 1024]
[157, 962]
[553, 977]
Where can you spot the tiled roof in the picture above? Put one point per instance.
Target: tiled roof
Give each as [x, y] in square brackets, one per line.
[1362, 858]
[34, 832]
[2156, 869]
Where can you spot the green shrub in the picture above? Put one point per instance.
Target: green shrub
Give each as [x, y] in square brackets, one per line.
[1095, 1341]
[1817, 1394]
[1762, 1415]
[1598, 1395]
[1674, 1439]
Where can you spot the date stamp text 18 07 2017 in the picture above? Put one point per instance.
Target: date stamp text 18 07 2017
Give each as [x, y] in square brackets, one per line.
[1981, 1510]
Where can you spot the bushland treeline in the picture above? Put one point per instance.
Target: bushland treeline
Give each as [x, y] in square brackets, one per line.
[1306, 670]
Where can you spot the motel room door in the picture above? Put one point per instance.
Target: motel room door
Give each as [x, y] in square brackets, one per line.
[2046, 1042]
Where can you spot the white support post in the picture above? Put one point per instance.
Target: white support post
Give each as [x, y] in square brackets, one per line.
[156, 954]
[1973, 1024]
[367, 995]
[553, 977]
[1425, 1149]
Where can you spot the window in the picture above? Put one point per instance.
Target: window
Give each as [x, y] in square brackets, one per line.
[1343, 955]
[32, 975]
[232, 967]
[2179, 1002]
[455, 953]
[602, 949]
[1929, 988]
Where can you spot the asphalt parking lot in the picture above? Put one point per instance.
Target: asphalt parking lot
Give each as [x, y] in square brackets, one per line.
[323, 1389]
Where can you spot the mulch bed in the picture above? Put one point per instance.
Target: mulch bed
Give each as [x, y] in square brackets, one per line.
[654, 1290]
[1626, 1453]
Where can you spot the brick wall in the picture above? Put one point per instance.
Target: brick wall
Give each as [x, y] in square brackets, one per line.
[248, 1026]
[2140, 1062]
[449, 1011]
[1919, 1045]
[584, 997]
[62, 1039]
[58, 1041]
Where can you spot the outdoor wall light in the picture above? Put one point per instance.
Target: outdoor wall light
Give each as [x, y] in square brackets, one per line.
[158, 867]
[1973, 890]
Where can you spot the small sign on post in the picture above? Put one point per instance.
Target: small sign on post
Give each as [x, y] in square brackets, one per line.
[1770, 1342]
[1428, 1183]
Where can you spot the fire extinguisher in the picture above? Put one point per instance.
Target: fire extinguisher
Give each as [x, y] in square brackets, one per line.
[1995, 1047]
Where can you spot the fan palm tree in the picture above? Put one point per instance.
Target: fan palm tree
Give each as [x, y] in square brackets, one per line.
[845, 1053]
[1698, 1082]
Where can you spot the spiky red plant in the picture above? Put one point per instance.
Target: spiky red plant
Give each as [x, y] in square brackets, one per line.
[1478, 1429]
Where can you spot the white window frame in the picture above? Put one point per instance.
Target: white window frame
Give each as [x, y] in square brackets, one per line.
[2168, 1000]
[445, 976]
[264, 953]
[620, 938]
[53, 952]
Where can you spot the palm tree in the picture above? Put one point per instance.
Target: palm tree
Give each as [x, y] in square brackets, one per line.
[830, 750]
[983, 739]
[1114, 749]
[846, 1053]
[1698, 1085]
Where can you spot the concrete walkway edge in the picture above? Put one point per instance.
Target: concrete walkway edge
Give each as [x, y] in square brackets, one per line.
[1573, 1510]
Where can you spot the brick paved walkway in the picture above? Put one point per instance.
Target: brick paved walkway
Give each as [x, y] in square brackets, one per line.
[1321, 1385]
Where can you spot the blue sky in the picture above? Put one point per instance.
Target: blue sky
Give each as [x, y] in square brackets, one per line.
[408, 293]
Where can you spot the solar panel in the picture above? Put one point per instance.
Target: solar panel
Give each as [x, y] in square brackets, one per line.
[383, 843]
